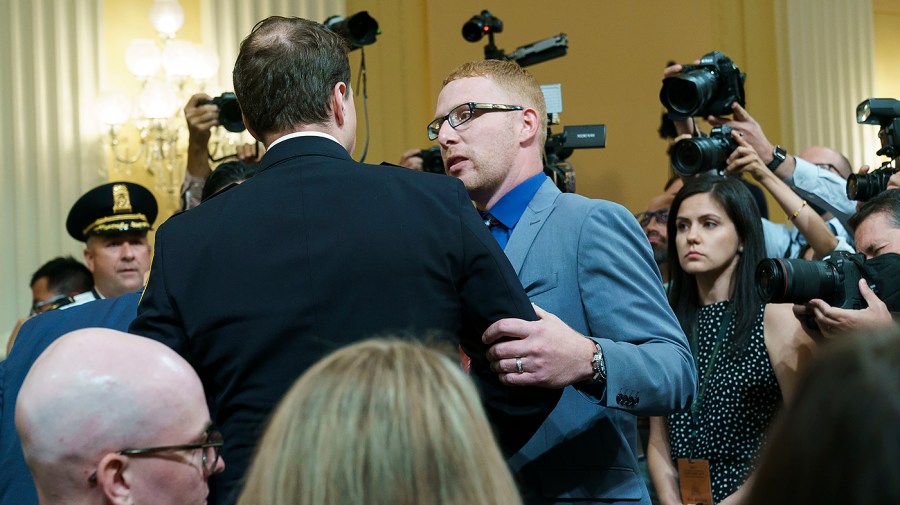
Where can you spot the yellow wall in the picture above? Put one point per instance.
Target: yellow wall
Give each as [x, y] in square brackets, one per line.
[887, 48]
[611, 75]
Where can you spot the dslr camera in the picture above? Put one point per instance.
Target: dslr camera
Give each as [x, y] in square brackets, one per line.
[884, 112]
[707, 89]
[431, 160]
[229, 111]
[702, 154]
[834, 280]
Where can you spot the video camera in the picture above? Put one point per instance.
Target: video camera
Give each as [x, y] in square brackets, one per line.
[884, 112]
[834, 280]
[706, 89]
[229, 111]
[702, 154]
[487, 24]
[560, 146]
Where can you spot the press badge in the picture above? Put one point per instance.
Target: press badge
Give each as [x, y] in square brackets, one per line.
[693, 475]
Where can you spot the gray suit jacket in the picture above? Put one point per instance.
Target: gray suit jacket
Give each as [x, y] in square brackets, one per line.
[589, 263]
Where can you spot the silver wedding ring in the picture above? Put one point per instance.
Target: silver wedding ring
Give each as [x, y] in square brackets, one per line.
[519, 365]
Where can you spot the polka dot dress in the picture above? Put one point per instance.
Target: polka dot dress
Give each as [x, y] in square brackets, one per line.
[741, 398]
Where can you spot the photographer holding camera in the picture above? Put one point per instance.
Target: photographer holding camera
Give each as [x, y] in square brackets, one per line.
[201, 115]
[807, 223]
[877, 233]
[690, 94]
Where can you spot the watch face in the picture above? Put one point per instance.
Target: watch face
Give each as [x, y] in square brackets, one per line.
[780, 153]
[778, 156]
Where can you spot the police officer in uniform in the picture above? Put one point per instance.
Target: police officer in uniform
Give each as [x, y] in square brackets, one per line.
[112, 220]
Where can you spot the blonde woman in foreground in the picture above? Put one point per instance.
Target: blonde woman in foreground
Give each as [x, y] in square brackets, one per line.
[384, 421]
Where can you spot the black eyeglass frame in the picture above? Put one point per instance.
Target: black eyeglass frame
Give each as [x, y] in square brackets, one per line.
[213, 440]
[434, 127]
[661, 215]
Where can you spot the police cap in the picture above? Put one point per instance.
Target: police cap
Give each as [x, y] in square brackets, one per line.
[112, 208]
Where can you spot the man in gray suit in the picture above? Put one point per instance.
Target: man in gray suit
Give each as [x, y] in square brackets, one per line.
[606, 333]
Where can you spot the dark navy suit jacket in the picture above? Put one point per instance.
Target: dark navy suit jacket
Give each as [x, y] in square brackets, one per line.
[315, 252]
[16, 485]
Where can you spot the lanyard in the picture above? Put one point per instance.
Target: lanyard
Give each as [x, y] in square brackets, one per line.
[695, 344]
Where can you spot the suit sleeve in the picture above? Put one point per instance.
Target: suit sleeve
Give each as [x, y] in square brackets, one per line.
[649, 366]
[490, 290]
[158, 317]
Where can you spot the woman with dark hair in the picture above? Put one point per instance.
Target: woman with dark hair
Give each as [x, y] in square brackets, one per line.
[747, 354]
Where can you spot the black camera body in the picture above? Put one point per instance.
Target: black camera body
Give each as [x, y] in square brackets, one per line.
[834, 280]
[432, 161]
[559, 146]
[884, 112]
[702, 154]
[229, 111]
[708, 88]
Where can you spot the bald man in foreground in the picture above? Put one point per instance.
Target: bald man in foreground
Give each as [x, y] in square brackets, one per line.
[108, 417]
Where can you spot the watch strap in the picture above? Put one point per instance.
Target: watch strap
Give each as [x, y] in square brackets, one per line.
[778, 157]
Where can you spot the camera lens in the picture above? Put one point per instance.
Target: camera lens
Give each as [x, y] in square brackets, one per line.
[686, 93]
[687, 158]
[230, 116]
[473, 30]
[865, 187]
[781, 280]
[692, 156]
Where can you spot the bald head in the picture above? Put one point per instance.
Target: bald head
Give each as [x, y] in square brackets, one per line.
[828, 159]
[97, 391]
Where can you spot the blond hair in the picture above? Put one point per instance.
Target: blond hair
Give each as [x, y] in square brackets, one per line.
[513, 79]
[383, 421]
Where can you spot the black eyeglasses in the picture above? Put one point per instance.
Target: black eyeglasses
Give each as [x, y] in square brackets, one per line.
[465, 112]
[51, 304]
[661, 215]
[210, 457]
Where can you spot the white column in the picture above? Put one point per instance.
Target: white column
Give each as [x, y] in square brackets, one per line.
[826, 53]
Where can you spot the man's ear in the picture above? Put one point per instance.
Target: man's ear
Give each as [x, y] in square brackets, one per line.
[338, 94]
[250, 130]
[89, 258]
[531, 125]
[114, 480]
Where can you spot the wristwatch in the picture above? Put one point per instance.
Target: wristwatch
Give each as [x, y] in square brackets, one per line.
[779, 155]
[598, 365]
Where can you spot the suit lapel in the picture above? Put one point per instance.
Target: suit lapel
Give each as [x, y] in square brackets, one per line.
[534, 217]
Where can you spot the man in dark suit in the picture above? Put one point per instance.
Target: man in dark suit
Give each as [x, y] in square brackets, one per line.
[317, 251]
[608, 335]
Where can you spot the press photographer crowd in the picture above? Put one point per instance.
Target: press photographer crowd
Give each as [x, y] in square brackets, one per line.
[465, 328]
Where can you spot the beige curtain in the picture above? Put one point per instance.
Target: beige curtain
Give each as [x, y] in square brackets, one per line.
[48, 138]
[826, 47]
[226, 22]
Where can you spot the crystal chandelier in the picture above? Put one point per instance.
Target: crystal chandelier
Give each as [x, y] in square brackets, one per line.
[148, 131]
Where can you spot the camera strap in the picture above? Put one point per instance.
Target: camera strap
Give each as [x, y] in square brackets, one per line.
[704, 382]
